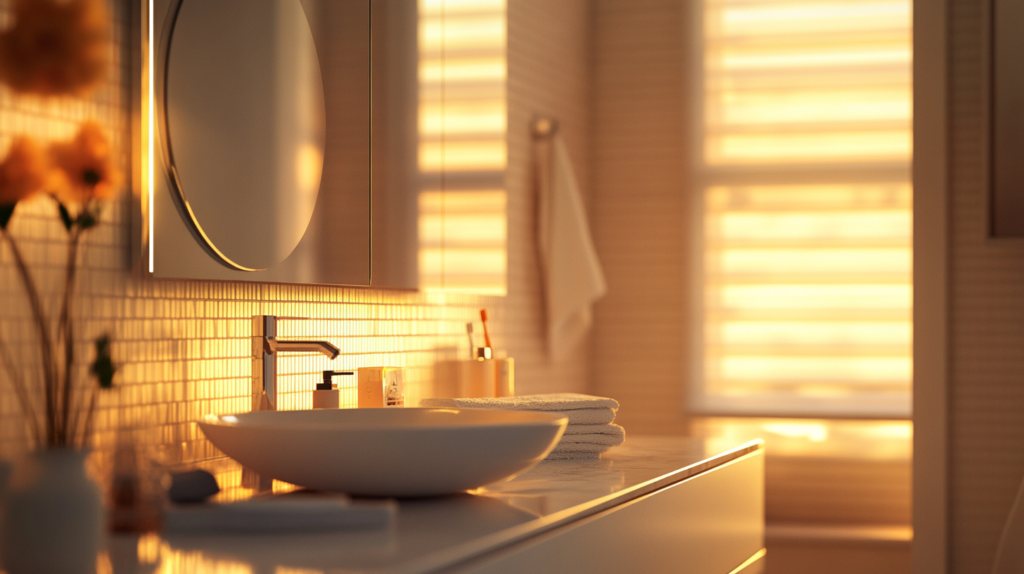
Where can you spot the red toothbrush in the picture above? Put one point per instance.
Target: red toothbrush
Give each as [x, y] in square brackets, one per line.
[483, 319]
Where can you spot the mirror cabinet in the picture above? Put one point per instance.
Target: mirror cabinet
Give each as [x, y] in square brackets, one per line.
[345, 142]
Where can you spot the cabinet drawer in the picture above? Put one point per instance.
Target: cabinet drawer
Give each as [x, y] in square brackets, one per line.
[709, 524]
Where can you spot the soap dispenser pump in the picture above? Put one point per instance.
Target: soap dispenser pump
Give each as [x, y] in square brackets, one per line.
[327, 395]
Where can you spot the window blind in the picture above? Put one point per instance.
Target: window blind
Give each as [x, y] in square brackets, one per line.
[462, 150]
[806, 208]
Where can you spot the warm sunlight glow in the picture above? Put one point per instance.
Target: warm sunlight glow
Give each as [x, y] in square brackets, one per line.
[465, 233]
[866, 440]
[836, 89]
[815, 296]
[309, 163]
[807, 208]
[464, 70]
[480, 155]
[855, 370]
[812, 260]
[838, 145]
[807, 290]
[147, 550]
[453, 7]
[815, 104]
[462, 126]
[814, 432]
[174, 560]
[470, 32]
[823, 333]
[823, 17]
[485, 117]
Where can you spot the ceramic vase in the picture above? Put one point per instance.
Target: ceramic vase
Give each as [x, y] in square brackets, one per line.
[52, 518]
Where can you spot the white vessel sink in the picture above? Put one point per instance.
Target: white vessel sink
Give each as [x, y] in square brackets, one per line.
[387, 452]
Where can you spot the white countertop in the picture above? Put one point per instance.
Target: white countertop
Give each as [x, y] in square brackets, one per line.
[435, 533]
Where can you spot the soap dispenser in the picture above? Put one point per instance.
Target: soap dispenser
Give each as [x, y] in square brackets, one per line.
[327, 395]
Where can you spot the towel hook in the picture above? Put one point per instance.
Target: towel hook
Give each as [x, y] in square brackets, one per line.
[544, 128]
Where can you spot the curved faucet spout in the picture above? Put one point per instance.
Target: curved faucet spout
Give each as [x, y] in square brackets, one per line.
[323, 347]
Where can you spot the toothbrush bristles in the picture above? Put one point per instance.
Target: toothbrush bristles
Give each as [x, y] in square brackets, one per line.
[483, 319]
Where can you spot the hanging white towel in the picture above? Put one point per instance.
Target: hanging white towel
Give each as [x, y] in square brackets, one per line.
[573, 279]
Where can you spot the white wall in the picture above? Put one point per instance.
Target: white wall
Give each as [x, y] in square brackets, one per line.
[986, 322]
[640, 210]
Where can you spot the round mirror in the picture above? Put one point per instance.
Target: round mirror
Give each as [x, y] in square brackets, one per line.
[244, 126]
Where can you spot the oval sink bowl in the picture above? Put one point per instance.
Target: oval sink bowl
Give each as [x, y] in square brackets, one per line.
[387, 452]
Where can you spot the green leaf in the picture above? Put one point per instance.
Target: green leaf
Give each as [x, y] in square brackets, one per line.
[103, 367]
[65, 216]
[6, 211]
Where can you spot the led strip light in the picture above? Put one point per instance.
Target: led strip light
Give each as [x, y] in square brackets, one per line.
[149, 134]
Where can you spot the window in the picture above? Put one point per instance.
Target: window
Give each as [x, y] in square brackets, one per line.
[806, 208]
[462, 151]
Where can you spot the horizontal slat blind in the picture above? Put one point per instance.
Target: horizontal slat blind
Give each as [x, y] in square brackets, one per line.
[807, 207]
[462, 153]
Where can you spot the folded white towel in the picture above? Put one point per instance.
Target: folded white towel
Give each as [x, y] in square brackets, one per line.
[589, 433]
[580, 447]
[602, 439]
[547, 402]
[574, 455]
[587, 417]
[609, 429]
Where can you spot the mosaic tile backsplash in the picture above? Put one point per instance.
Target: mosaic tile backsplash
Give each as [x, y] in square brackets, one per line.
[183, 348]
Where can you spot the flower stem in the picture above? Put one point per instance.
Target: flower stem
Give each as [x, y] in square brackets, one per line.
[65, 330]
[87, 424]
[21, 390]
[45, 343]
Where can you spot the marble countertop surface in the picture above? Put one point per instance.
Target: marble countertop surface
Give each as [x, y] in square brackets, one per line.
[433, 534]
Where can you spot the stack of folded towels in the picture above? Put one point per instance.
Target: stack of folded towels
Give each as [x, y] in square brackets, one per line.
[590, 431]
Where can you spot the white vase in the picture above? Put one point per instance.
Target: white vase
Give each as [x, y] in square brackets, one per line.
[52, 520]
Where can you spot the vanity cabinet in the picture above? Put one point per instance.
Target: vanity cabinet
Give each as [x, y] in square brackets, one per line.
[709, 523]
[652, 505]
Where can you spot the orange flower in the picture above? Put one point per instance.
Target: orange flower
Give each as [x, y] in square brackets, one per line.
[55, 47]
[23, 171]
[85, 166]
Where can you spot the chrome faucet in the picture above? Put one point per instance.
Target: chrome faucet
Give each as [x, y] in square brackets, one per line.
[265, 348]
